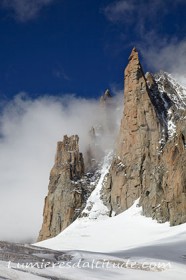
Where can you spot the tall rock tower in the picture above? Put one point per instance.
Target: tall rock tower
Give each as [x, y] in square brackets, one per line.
[65, 193]
[137, 142]
[149, 162]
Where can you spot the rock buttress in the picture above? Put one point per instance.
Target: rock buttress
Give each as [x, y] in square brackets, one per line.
[65, 194]
[137, 142]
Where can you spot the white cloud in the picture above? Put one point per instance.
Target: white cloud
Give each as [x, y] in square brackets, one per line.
[144, 20]
[30, 130]
[25, 10]
[140, 17]
[166, 55]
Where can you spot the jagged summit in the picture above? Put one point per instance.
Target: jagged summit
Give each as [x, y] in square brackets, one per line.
[68, 158]
[133, 72]
[150, 159]
[169, 99]
[149, 162]
[138, 137]
[134, 54]
[104, 99]
[62, 198]
[68, 188]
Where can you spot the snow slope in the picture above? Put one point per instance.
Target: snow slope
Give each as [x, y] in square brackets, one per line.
[125, 231]
[127, 246]
[95, 209]
[96, 231]
[128, 238]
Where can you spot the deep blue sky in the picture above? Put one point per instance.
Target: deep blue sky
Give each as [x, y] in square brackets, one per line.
[82, 47]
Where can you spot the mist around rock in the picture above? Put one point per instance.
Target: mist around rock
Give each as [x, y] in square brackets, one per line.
[29, 131]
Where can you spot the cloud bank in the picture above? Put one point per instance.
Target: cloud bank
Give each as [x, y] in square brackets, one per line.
[25, 10]
[29, 131]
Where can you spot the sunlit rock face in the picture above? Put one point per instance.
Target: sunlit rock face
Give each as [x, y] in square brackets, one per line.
[150, 153]
[149, 160]
[66, 191]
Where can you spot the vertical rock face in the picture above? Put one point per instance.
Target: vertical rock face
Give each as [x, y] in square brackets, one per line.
[150, 157]
[170, 205]
[65, 193]
[137, 141]
[73, 177]
[166, 201]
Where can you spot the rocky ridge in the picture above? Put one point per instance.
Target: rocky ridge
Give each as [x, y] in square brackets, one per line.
[150, 155]
[149, 160]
